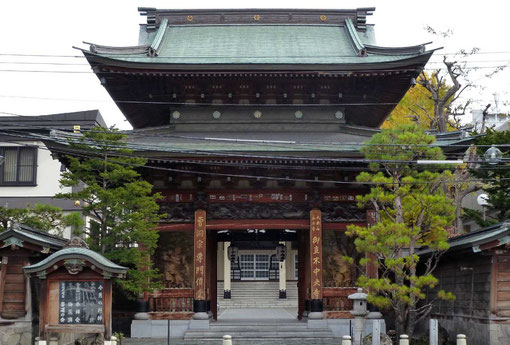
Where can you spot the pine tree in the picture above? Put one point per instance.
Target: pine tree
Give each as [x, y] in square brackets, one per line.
[41, 217]
[412, 212]
[121, 206]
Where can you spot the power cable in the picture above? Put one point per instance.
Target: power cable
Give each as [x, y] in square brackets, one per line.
[143, 133]
[34, 136]
[288, 179]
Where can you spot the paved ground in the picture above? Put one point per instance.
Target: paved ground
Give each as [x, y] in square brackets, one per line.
[234, 342]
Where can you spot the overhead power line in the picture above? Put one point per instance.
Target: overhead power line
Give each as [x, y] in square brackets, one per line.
[42, 55]
[85, 154]
[81, 56]
[242, 141]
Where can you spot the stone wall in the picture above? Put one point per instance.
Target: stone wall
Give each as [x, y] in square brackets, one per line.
[15, 333]
[499, 332]
[477, 331]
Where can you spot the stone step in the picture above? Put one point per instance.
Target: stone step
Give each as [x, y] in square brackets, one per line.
[256, 300]
[289, 334]
[257, 294]
[258, 327]
[261, 297]
[251, 306]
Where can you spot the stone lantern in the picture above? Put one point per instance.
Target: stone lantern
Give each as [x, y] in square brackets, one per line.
[359, 311]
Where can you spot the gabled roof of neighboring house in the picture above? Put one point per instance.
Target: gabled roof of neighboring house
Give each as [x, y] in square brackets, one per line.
[480, 240]
[63, 121]
[23, 236]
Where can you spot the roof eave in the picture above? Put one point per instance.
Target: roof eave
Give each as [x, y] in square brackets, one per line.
[55, 258]
[413, 62]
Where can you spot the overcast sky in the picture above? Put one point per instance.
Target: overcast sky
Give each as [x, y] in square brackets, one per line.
[52, 27]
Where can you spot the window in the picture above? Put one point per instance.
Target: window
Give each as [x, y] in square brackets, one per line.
[19, 167]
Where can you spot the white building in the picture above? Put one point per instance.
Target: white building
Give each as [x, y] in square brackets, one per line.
[496, 120]
[29, 174]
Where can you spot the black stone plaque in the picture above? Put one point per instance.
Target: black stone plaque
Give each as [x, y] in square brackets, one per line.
[81, 302]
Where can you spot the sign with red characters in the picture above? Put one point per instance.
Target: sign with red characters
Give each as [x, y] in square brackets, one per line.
[316, 254]
[200, 252]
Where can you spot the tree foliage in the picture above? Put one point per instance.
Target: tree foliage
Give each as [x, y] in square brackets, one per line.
[42, 217]
[498, 189]
[412, 212]
[413, 107]
[121, 205]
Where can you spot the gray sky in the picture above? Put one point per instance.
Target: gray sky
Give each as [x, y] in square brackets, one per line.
[52, 27]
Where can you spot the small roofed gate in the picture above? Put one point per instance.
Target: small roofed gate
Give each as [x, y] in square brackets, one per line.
[76, 291]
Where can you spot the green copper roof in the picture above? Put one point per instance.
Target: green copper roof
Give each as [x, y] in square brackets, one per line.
[77, 253]
[266, 44]
[498, 234]
[256, 44]
[27, 234]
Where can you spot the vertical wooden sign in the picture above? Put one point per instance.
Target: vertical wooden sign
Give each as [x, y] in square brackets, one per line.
[200, 252]
[316, 254]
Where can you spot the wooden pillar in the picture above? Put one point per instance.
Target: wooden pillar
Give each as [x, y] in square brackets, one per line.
[372, 271]
[3, 272]
[43, 308]
[212, 281]
[316, 306]
[199, 267]
[302, 284]
[107, 301]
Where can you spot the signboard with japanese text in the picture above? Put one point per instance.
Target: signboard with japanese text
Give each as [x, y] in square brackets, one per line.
[316, 254]
[265, 197]
[339, 196]
[168, 196]
[200, 254]
[80, 302]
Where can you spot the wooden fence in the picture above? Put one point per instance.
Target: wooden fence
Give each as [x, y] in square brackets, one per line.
[171, 304]
[336, 303]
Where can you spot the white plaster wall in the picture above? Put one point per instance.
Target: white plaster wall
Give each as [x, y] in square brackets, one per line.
[48, 174]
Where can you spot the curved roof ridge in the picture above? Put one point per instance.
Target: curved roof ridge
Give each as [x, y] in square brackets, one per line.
[160, 36]
[258, 15]
[103, 49]
[76, 253]
[354, 38]
[404, 50]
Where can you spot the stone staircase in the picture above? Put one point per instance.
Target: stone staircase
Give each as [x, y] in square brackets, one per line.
[256, 312]
[258, 294]
[259, 329]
